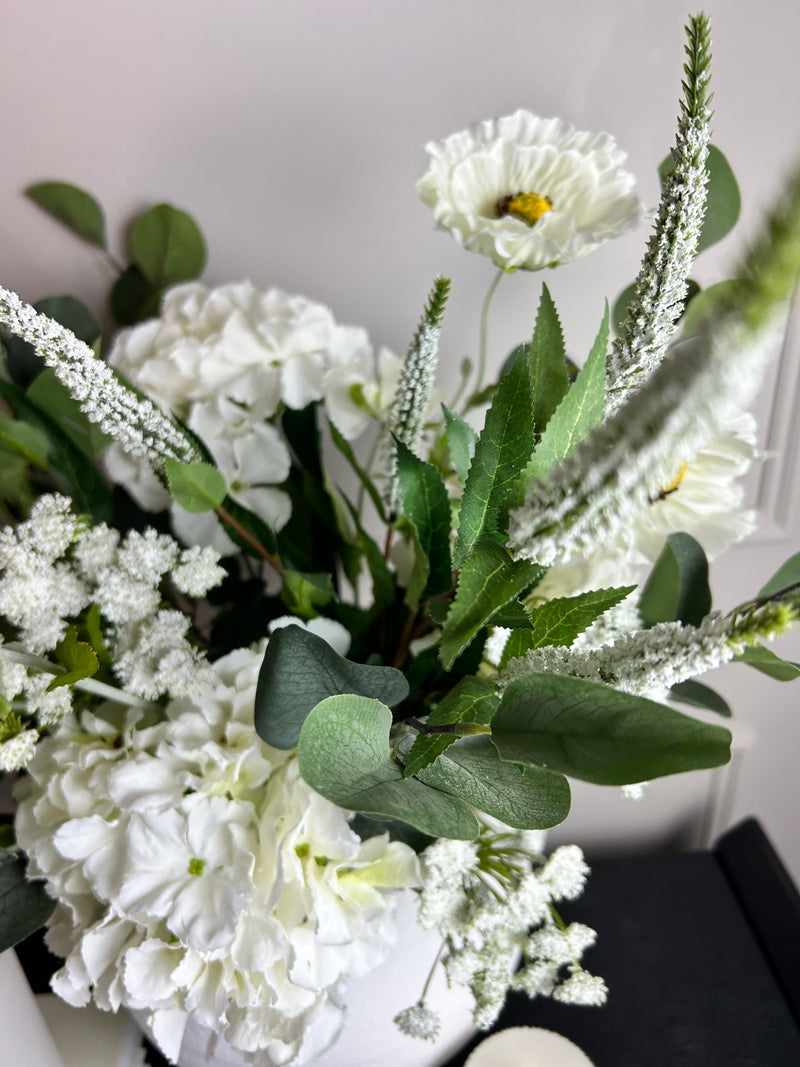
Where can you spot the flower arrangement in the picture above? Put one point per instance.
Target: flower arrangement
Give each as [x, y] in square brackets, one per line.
[260, 682]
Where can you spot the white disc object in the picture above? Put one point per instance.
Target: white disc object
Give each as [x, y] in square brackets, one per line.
[527, 1046]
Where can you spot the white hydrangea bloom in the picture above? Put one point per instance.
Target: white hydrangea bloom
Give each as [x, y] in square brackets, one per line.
[530, 192]
[198, 875]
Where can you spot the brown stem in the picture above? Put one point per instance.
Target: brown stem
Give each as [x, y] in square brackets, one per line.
[387, 548]
[405, 639]
[248, 537]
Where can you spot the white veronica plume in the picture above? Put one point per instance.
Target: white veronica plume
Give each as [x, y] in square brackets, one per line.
[198, 876]
[530, 192]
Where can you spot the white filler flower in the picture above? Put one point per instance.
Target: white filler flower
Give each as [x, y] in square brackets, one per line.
[197, 875]
[530, 192]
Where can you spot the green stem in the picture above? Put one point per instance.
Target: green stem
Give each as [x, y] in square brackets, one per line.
[88, 685]
[482, 351]
[368, 470]
[430, 972]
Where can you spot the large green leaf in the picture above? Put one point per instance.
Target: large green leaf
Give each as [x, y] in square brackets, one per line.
[24, 906]
[488, 579]
[765, 660]
[344, 754]
[590, 731]
[25, 440]
[699, 695]
[547, 360]
[131, 295]
[503, 449]
[560, 621]
[786, 575]
[55, 399]
[76, 208]
[677, 589]
[521, 795]
[580, 411]
[427, 507]
[472, 699]
[705, 302]
[167, 246]
[196, 487]
[461, 442]
[724, 201]
[300, 670]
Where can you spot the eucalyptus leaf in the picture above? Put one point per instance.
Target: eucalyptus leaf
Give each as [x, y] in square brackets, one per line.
[76, 208]
[522, 795]
[580, 411]
[786, 575]
[503, 448]
[196, 487]
[699, 695]
[344, 754]
[167, 246]
[130, 294]
[299, 670]
[489, 579]
[677, 589]
[707, 302]
[427, 508]
[598, 734]
[24, 906]
[765, 660]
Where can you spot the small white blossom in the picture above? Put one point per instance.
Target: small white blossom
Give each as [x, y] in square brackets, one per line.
[582, 988]
[419, 1021]
[17, 752]
[197, 571]
[565, 873]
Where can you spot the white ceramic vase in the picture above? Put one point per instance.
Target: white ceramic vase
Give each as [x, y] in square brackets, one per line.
[369, 1037]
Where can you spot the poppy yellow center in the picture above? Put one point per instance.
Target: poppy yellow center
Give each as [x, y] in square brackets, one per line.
[527, 207]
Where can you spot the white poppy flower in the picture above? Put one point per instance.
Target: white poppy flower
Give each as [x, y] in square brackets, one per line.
[530, 192]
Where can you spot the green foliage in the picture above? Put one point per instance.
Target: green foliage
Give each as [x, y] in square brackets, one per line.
[502, 450]
[787, 574]
[595, 733]
[28, 442]
[560, 621]
[706, 302]
[765, 660]
[50, 396]
[167, 247]
[677, 589]
[461, 441]
[345, 448]
[723, 203]
[522, 795]
[427, 507]
[344, 753]
[24, 906]
[471, 699]
[580, 411]
[488, 579]
[304, 594]
[300, 670]
[699, 695]
[78, 659]
[196, 487]
[547, 362]
[76, 208]
[620, 310]
[130, 295]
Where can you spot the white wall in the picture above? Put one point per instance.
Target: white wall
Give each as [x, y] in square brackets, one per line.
[293, 131]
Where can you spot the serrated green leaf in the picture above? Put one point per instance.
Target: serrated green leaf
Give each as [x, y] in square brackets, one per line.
[765, 660]
[677, 589]
[579, 412]
[787, 574]
[196, 487]
[427, 507]
[299, 670]
[488, 579]
[723, 202]
[24, 906]
[76, 208]
[167, 246]
[547, 361]
[472, 699]
[502, 450]
[344, 754]
[521, 795]
[23, 439]
[461, 441]
[513, 616]
[699, 695]
[598, 734]
[560, 621]
[77, 657]
[55, 399]
[303, 594]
